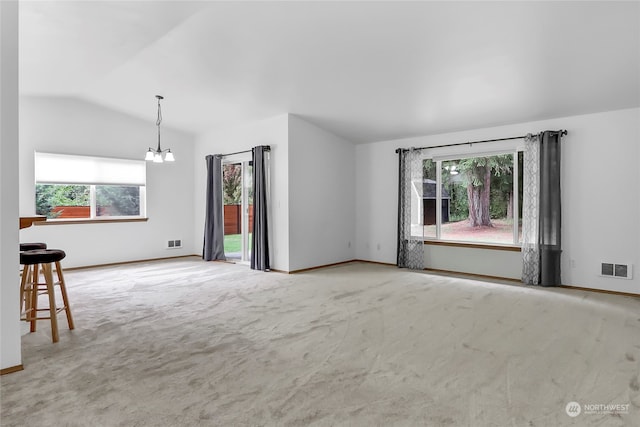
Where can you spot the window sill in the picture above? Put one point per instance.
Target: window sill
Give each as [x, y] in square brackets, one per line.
[491, 246]
[87, 221]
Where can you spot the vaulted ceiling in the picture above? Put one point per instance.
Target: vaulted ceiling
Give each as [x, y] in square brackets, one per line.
[367, 71]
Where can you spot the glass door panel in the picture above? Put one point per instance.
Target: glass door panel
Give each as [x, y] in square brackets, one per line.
[247, 209]
[237, 188]
[232, 200]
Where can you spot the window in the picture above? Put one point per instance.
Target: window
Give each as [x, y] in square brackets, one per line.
[82, 187]
[471, 199]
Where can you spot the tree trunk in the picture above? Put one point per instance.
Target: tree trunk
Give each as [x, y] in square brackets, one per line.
[479, 201]
[510, 206]
[473, 195]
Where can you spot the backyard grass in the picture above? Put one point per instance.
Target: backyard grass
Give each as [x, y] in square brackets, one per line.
[233, 243]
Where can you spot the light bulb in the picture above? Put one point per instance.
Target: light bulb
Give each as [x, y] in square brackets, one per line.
[157, 158]
[169, 157]
[149, 155]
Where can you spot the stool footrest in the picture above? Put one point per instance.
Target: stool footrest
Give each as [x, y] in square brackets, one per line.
[28, 318]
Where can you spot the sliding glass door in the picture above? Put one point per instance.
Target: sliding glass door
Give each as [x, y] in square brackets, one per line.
[237, 194]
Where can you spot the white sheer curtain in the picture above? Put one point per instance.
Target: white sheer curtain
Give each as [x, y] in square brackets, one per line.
[410, 224]
[530, 211]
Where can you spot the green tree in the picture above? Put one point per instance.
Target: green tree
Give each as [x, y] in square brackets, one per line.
[232, 184]
[502, 195]
[44, 195]
[50, 195]
[429, 169]
[458, 202]
[117, 200]
[477, 173]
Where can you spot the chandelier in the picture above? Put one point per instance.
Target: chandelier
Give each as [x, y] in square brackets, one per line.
[156, 155]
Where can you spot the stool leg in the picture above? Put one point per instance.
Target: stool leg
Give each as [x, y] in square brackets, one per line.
[23, 282]
[63, 291]
[34, 296]
[48, 276]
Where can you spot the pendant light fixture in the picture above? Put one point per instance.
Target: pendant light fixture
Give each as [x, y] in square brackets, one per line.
[156, 156]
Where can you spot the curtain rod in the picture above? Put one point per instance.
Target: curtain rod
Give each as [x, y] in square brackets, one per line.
[266, 148]
[399, 150]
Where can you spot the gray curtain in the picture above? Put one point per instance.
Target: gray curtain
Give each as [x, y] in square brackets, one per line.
[213, 248]
[410, 245]
[541, 211]
[550, 209]
[260, 237]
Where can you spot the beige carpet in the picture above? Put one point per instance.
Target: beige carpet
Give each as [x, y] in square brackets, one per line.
[188, 343]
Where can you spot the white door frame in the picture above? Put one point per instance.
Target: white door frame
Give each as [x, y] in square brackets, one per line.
[243, 160]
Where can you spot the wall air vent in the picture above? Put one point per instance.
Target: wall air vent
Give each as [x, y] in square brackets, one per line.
[619, 271]
[174, 244]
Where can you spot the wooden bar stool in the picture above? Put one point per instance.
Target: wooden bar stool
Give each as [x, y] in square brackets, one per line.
[27, 247]
[35, 261]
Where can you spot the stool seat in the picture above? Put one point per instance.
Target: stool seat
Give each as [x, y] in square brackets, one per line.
[41, 256]
[32, 246]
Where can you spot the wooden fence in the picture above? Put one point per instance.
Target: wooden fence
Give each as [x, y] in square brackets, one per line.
[233, 219]
[72, 211]
[79, 211]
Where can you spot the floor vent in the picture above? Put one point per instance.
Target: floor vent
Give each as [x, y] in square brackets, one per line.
[619, 271]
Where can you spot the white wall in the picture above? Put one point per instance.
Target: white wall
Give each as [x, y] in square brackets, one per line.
[600, 197]
[321, 196]
[376, 202]
[10, 354]
[273, 132]
[72, 126]
[472, 260]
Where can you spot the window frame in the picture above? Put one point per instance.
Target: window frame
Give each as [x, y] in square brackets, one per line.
[93, 217]
[438, 156]
[93, 206]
